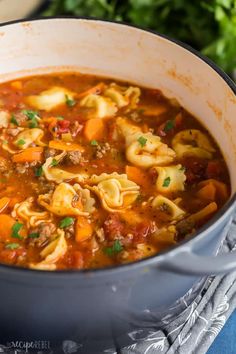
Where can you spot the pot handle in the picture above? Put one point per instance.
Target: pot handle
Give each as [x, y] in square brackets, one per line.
[187, 262]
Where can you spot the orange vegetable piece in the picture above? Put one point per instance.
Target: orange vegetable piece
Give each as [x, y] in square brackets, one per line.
[83, 229]
[94, 129]
[29, 155]
[203, 213]
[61, 145]
[136, 175]
[207, 192]
[17, 85]
[4, 202]
[221, 188]
[6, 223]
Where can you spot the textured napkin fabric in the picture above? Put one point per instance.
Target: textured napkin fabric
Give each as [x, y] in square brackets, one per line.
[194, 330]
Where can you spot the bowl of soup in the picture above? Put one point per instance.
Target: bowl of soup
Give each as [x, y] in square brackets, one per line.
[117, 157]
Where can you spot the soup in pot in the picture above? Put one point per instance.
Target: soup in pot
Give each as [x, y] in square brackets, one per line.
[95, 172]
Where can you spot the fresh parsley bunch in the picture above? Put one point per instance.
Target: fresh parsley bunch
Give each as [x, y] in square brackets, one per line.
[209, 26]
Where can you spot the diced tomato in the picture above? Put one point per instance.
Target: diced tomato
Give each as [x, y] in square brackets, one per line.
[195, 169]
[214, 169]
[63, 126]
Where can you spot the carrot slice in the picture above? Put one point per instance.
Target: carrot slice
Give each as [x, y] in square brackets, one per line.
[136, 175]
[207, 192]
[83, 229]
[94, 129]
[61, 145]
[221, 188]
[4, 202]
[93, 90]
[6, 223]
[29, 155]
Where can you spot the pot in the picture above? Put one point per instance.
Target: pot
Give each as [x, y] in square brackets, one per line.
[89, 305]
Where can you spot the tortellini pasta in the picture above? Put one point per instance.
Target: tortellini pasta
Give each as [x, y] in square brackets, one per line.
[115, 191]
[192, 142]
[68, 200]
[4, 119]
[170, 179]
[50, 99]
[103, 106]
[29, 136]
[168, 206]
[58, 175]
[24, 211]
[144, 149]
[123, 96]
[52, 253]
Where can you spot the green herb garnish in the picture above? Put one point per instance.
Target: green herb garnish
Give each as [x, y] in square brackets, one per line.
[12, 246]
[38, 171]
[170, 124]
[116, 248]
[54, 162]
[15, 230]
[66, 222]
[34, 235]
[32, 116]
[70, 101]
[13, 120]
[166, 182]
[94, 142]
[142, 141]
[21, 142]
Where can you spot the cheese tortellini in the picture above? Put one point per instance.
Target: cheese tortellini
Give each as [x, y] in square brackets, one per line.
[50, 99]
[115, 191]
[123, 96]
[4, 119]
[103, 106]
[29, 136]
[52, 253]
[58, 175]
[168, 206]
[144, 149]
[170, 179]
[24, 211]
[192, 142]
[68, 200]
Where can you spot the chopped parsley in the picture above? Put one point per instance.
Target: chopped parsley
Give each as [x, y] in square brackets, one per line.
[66, 222]
[70, 101]
[13, 120]
[21, 142]
[142, 141]
[38, 171]
[94, 143]
[12, 246]
[116, 248]
[34, 235]
[32, 117]
[170, 124]
[54, 162]
[15, 230]
[166, 182]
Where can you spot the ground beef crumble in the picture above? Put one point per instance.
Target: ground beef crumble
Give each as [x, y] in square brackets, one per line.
[45, 231]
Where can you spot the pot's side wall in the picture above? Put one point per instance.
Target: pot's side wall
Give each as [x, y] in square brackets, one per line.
[126, 53]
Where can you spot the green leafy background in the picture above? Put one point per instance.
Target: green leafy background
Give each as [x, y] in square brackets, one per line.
[209, 26]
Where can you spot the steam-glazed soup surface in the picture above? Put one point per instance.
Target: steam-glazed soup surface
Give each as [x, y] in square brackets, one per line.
[95, 172]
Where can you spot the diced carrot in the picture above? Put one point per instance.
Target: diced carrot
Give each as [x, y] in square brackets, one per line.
[61, 145]
[136, 175]
[94, 129]
[131, 217]
[4, 202]
[17, 85]
[221, 188]
[6, 223]
[207, 192]
[93, 90]
[83, 229]
[29, 155]
[145, 128]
